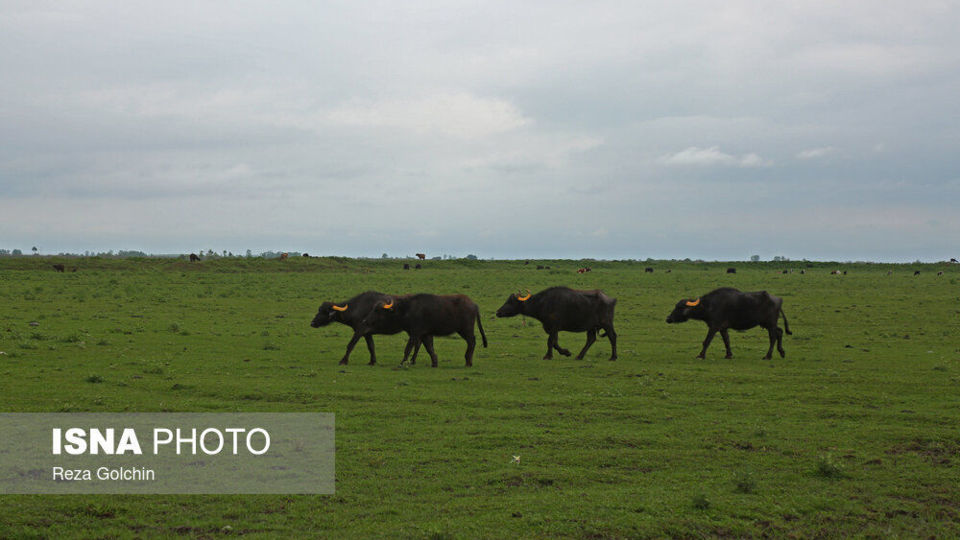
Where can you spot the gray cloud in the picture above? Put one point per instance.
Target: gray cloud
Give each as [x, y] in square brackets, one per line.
[669, 129]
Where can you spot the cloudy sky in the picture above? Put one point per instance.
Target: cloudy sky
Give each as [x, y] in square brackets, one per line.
[717, 130]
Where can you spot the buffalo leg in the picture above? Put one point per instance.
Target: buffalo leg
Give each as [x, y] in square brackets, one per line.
[591, 337]
[353, 341]
[406, 350]
[780, 350]
[428, 345]
[556, 345]
[706, 342]
[726, 342]
[612, 335]
[550, 339]
[772, 332]
[417, 341]
[471, 340]
[373, 353]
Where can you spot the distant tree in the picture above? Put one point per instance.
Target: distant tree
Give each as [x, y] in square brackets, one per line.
[35, 250]
[224, 253]
[471, 257]
[754, 258]
[384, 256]
[17, 252]
[249, 253]
[4, 252]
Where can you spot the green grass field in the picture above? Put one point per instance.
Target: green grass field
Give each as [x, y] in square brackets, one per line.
[855, 433]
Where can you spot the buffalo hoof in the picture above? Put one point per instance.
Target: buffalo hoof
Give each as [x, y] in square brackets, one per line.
[782, 354]
[768, 357]
[469, 364]
[701, 356]
[372, 363]
[548, 357]
[728, 356]
[343, 362]
[612, 358]
[564, 352]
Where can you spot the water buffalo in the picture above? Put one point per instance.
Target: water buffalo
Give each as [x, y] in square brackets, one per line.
[423, 316]
[351, 313]
[726, 308]
[563, 309]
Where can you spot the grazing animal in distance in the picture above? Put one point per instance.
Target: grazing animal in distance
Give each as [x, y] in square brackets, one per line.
[727, 308]
[284, 256]
[59, 267]
[351, 313]
[648, 270]
[731, 270]
[917, 273]
[423, 316]
[74, 269]
[588, 269]
[194, 257]
[953, 260]
[560, 309]
[421, 256]
[539, 267]
[418, 267]
[581, 270]
[406, 266]
[940, 273]
[306, 255]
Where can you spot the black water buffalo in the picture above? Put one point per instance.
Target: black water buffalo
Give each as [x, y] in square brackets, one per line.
[59, 268]
[423, 316]
[562, 309]
[351, 313]
[731, 270]
[194, 257]
[726, 308]
[648, 270]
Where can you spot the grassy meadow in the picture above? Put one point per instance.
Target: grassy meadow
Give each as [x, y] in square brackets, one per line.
[855, 433]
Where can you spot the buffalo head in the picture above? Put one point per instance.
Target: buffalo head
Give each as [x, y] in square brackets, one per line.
[514, 305]
[682, 311]
[328, 313]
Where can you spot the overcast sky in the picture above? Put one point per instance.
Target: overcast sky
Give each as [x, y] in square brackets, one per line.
[717, 130]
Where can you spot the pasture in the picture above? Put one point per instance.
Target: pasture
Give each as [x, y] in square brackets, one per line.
[855, 432]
